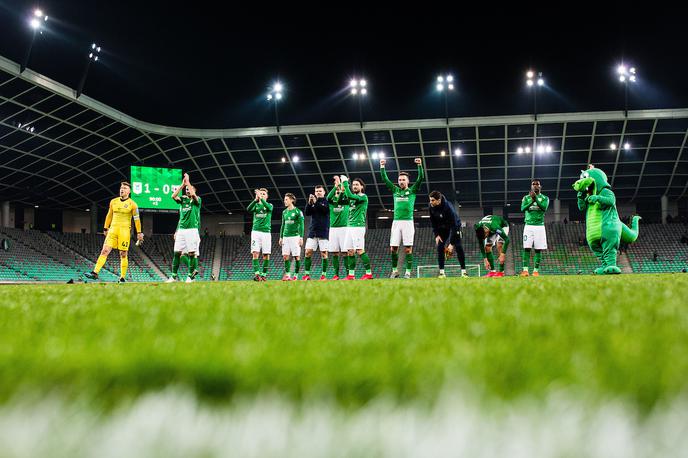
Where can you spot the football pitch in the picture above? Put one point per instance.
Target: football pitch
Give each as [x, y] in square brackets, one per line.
[565, 366]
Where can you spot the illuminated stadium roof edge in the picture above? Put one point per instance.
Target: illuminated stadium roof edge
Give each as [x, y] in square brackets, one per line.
[67, 152]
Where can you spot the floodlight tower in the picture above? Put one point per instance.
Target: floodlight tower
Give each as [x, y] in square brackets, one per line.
[359, 89]
[627, 75]
[93, 55]
[275, 96]
[445, 84]
[36, 21]
[534, 84]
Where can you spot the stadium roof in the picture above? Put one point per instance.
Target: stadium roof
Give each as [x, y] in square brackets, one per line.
[67, 153]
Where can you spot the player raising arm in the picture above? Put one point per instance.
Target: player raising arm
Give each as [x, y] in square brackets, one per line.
[355, 233]
[187, 239]
[339, 221]
[318, 231]
[402, 226]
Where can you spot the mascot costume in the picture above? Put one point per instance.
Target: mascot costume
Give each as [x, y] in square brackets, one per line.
[604, 230]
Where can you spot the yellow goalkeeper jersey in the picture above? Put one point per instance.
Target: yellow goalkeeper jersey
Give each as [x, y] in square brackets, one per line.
[120, 214]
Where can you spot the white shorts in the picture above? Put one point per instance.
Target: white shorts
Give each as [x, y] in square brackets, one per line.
[261, 241]
[534, 237]
[355, 238]
[402, 231]
[337, 239]
[187, 241]
[495, 238]
[290, 246]
[317, 244]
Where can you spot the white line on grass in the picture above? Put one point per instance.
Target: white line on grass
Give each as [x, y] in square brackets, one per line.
[172, 423]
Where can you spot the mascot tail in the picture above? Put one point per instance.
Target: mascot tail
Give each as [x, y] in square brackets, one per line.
[630, 234]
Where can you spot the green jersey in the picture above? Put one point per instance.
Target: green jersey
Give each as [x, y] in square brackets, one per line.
[262, 215]
[358, 207]
[292, 223]
[404, 199]
[189, 213]
[496, 225]
[339, 209]
[535, 209]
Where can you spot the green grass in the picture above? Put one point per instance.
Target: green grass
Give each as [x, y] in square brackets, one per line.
[602, 337]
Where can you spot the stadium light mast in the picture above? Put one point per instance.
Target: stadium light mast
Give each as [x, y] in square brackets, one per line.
[534, 81]
[93, 55]
[359, 89]
[275, 96]
[36, 21]
[445, 84]
[626, 75]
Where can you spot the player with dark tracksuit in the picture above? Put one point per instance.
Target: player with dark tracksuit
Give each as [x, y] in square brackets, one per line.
[446, 226]
[318, 209]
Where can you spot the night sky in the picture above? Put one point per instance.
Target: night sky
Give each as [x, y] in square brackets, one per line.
[210, 68]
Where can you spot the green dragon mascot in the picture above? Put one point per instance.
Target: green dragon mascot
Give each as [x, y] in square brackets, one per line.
[604, 230]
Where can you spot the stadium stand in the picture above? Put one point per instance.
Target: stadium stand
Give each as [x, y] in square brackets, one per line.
[89, 246]
[53, 256]
[659, 249]
[159, 249]
[34, 256]
[566, 255]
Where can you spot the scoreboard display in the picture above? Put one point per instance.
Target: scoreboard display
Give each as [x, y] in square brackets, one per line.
[152, 187]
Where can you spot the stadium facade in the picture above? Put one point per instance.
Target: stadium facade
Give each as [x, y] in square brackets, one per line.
[68, 155]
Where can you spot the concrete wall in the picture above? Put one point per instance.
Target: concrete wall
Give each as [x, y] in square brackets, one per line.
[470, 215]
[629, 208]
[76, 220]
[147, 225]
[230, 224]
[467, 215]
[29, 220]
[12, 216]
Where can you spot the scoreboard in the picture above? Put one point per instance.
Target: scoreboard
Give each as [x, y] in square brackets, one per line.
[152, 187]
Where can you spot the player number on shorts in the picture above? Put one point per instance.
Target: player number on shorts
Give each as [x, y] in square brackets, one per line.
[125, 244]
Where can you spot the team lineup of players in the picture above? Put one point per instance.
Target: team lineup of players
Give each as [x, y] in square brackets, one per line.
[337, 228]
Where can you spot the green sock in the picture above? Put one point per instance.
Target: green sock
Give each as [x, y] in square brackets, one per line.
[287, 266]
[526, 258]
[193, 264]
[184, 260]
[325, 261]
[501, 267]
[490, 259]
[536, 260]
[366, 262]
[175, 264]
[309, 262]
[351, 264]
[266, 263]
[395, 261]
[335, 264]
[256, 266]
[409, 262]
[297, 264]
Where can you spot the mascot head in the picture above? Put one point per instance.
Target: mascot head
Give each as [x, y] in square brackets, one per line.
[591, 181]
